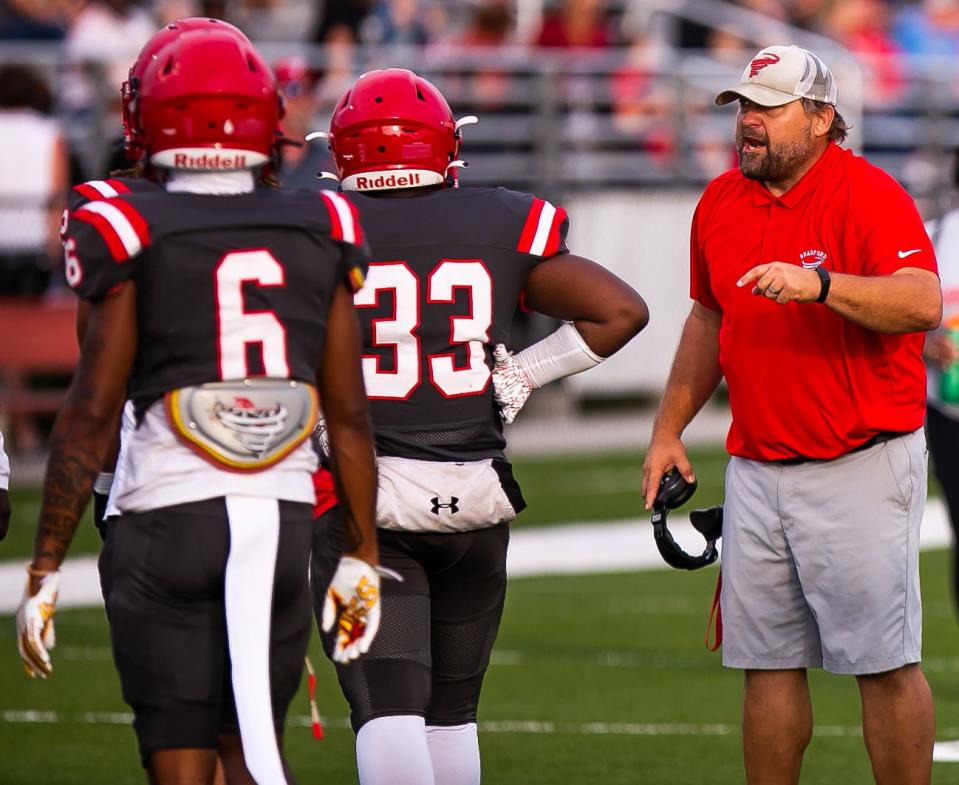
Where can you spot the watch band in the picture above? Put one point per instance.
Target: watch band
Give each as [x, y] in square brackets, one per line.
[824, 282]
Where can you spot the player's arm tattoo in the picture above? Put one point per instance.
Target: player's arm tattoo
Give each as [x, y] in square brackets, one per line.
[86, 423]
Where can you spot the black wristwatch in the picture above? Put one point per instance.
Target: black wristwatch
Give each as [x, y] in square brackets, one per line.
[824, 281]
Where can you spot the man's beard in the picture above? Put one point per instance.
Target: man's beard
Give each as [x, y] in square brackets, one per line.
[774, 163]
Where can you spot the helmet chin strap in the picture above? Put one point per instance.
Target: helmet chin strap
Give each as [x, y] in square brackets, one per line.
[317, 135]
[468, 120]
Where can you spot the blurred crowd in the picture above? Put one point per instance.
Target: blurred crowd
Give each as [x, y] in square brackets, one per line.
[42, 106]
[620, 109]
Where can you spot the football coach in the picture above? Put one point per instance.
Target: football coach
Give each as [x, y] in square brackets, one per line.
[813, 281]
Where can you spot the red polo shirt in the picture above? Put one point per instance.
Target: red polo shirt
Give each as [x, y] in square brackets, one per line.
[803, 381]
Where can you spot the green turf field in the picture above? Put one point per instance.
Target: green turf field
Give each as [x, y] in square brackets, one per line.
[584, 488]
[596, 679]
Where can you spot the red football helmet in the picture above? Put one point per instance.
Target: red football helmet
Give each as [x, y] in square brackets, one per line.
[393, 129]
[208, 102]
[160, 39]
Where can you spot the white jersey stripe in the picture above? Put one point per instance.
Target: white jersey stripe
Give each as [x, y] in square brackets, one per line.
[345, 214]
[104, 188]
[542, 229]
[248, 595]
[120, 224]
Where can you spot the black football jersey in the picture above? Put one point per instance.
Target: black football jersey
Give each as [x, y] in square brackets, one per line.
[227, 286]
[447, 272]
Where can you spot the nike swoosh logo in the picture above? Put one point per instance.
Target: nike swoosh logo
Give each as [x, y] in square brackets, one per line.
[904, 254]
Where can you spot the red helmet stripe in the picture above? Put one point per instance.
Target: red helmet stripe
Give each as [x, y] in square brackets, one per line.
[552, 242]
[529, 228]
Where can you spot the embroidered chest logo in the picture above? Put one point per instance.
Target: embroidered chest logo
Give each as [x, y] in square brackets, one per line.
[760, 63]
[450, 505]
[812, 259]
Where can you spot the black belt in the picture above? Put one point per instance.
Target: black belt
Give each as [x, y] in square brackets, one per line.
[880, 438]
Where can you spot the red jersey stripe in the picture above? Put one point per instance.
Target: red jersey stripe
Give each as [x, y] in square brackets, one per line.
[552, 242]
[336, 227]
[119, 186]
[529, 228]
[88, 192]
[136, 220]
[357, 226]
[117, 249]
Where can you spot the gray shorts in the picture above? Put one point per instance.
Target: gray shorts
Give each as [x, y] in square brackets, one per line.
[820, 563]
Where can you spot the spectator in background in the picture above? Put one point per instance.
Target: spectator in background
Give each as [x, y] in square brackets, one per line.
[643, 103]
[35, 20]
[942, 415]
[490, 24]
[727, 45]
[170, 10]
[395, 22]
[577, 24]
[106, 34]
[942, 353]
[862, 26]
[929, 27]
[275, 20]
[34, 166]
[807, 13]
[341, 20]
[301, 165]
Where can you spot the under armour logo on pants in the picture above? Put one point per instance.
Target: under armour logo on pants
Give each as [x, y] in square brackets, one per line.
[451, 505]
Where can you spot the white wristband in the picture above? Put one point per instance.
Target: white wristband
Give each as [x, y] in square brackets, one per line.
[559, 354]
[103, 483]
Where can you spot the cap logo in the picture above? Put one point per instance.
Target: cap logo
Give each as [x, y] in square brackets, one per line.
[759, 63]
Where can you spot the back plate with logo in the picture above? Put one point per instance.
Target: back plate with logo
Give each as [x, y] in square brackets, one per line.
[246, 425]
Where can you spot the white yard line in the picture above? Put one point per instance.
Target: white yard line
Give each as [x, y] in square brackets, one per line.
[534, 727]
[573, 549]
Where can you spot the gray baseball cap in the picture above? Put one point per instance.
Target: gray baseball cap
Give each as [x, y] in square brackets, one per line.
[778, 75]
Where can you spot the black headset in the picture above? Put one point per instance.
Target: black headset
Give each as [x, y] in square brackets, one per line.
[674, 492]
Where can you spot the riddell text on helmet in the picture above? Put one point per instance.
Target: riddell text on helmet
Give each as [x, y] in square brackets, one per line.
[215, 161]
[387, 181]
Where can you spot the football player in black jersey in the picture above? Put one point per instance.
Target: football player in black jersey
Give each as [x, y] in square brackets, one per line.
[218, 310]
[133, 181]
[449, 268]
